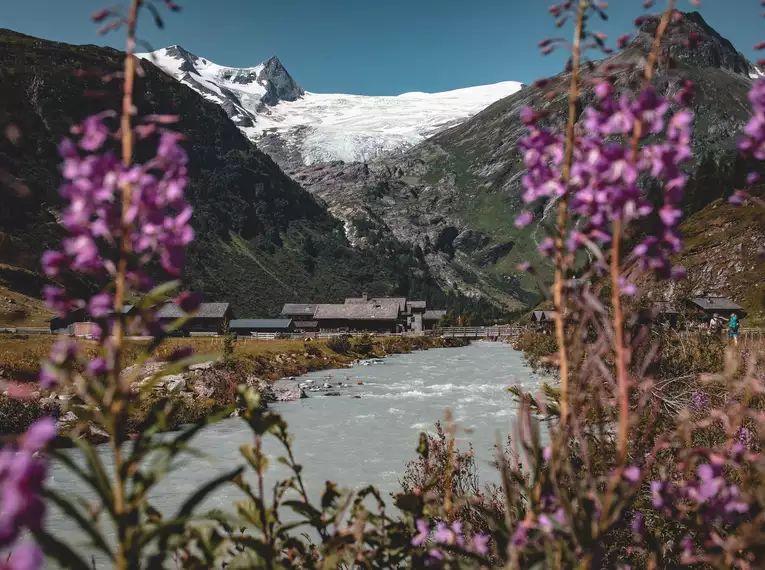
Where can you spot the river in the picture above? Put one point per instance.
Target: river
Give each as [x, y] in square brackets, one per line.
[358, 441]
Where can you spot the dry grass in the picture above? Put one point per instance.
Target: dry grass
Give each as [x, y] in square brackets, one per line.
[18, 309]
[21, 355]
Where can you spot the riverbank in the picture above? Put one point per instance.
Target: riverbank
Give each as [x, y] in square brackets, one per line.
[203, 390]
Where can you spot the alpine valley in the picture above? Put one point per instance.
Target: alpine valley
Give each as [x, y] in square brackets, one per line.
[455, 194]
[318, 196]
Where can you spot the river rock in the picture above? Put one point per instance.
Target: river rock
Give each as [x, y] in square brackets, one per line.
[175, 382]
[95, 434]
[66, 422]
[287, 391]
[332, 394]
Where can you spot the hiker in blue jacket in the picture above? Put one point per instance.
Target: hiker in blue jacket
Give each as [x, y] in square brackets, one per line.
[733, 328]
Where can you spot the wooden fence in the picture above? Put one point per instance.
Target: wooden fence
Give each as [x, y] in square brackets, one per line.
[481, 332]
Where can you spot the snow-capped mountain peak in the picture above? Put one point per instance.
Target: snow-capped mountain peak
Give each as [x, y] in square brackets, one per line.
[295, 125]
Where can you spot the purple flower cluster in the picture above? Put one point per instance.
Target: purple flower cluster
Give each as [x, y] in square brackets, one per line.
[448, 535]
[605, 171]
[154, 224]
[545, 525]
[699, 401]
[95, 218]
[709, 495]
[22, 474]
[754, 142]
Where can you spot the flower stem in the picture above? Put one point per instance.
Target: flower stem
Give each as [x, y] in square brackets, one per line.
[449, 465]
[616, 305]
[119, 403]
[621, 365]
[558, 297]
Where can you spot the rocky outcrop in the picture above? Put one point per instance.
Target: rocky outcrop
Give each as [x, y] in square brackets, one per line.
[286, 391]
[279, 84]
[470, 240]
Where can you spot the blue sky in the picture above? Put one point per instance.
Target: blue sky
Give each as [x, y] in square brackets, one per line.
[371, 48]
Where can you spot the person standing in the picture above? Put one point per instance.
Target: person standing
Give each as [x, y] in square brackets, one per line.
[715, 324]
[733, 328]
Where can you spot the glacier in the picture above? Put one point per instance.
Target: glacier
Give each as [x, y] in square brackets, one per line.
[265, 101]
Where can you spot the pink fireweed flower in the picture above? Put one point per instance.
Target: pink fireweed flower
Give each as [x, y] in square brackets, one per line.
[53, 262]
[423, 532]
[546, 246]
[480, 544]
[604, 175]
[98, 366]
[94, 132]
[57, 300]
[38, 435]
[100, 305]
[22, 474]
[632, 474]
[443, 534]
[523, 220]
[64, 351]
[24, 557]
[48, 376]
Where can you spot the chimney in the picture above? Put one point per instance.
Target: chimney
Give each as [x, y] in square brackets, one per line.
[364, 297]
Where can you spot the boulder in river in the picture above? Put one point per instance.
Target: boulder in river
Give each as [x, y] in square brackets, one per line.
[287, 390]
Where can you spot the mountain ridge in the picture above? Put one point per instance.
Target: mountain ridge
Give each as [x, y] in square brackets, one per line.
[456, 194]
[261, 239]
[299, 127]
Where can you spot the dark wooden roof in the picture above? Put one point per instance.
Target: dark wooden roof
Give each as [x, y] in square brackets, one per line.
[400, 301]
[540, 316]
[302, 309]
[205, 311]
[358, 311]
[416, 305]
[433, 315]
[715, 304]
[260, 324]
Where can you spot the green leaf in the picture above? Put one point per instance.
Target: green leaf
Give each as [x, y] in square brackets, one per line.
[422, 447]
[100, 479]
[59, 551]
[84, 523]
[86, 477]
[409, 502]
[329, 496]
[252, 511]
[143, 446]
[304, 509]
[193, 502]
[160, 293]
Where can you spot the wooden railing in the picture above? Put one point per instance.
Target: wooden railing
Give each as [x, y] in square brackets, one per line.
[481, 332]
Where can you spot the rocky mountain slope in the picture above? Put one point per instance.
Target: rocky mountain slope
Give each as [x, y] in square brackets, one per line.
[297, 127]
[261, 239]
[456, 194]
[722, 254]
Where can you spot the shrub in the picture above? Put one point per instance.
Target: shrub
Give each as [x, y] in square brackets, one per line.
[537, 347]
[340, 344]
[431, 473]
[363, 344]
[17, 415]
